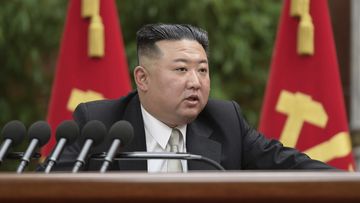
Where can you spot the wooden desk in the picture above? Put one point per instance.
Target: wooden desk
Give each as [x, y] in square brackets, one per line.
[227, 187]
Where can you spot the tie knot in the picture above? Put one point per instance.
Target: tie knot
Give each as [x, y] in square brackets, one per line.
[174, 137]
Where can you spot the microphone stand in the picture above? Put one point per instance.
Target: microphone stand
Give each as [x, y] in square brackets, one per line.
[27, 155]
[160, 155]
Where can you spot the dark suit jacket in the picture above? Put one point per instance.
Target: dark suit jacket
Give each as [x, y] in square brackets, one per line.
[219, 133]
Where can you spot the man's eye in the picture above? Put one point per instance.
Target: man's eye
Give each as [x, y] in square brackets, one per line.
[181, 69]
[203, 70]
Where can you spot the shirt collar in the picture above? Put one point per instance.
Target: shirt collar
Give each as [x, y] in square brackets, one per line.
[159, 130]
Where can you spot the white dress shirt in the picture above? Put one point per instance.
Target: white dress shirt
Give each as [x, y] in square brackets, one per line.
[157, 135]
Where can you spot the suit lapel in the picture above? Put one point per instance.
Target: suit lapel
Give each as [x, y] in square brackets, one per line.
[134, 116]
[198, 142]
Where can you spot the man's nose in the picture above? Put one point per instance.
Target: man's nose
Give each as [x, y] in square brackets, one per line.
[194, 80]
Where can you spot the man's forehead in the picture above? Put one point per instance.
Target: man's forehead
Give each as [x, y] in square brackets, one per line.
[183, 45]
[173, 50]
[186, 60]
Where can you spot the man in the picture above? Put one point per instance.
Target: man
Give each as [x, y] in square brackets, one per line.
[171, 103]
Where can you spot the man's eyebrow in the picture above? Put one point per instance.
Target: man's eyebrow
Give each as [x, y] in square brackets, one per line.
[186, 61]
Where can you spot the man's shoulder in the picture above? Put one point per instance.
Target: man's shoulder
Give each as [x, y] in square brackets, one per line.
[102, 104]
[110, 104]
[214, 102]
[224, 106]
[108, 111]
[221, 109]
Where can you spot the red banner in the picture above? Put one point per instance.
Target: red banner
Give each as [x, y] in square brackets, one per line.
[81, 78]
[304, 106]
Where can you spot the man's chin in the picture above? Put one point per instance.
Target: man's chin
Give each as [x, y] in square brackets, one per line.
[190, 116]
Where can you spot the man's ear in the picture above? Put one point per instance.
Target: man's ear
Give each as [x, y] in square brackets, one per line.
[141, 77]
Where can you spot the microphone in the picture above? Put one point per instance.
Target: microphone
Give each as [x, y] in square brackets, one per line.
[92, 134]
[39, 134]
[121, 133]
[66, 134]
[161, 155]
[13, 133]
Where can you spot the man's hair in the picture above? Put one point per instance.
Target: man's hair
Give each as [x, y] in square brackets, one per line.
[149, 34]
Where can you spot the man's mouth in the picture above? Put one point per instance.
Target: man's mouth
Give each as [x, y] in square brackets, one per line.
[192, 101]
[193, 98]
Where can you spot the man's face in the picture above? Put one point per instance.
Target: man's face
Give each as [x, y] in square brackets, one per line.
[178, 82]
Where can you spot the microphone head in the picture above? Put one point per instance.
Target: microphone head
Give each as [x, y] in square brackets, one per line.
[123, 131]
[40, 130]
[15, 131]
[69, 130]
[94, 130]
